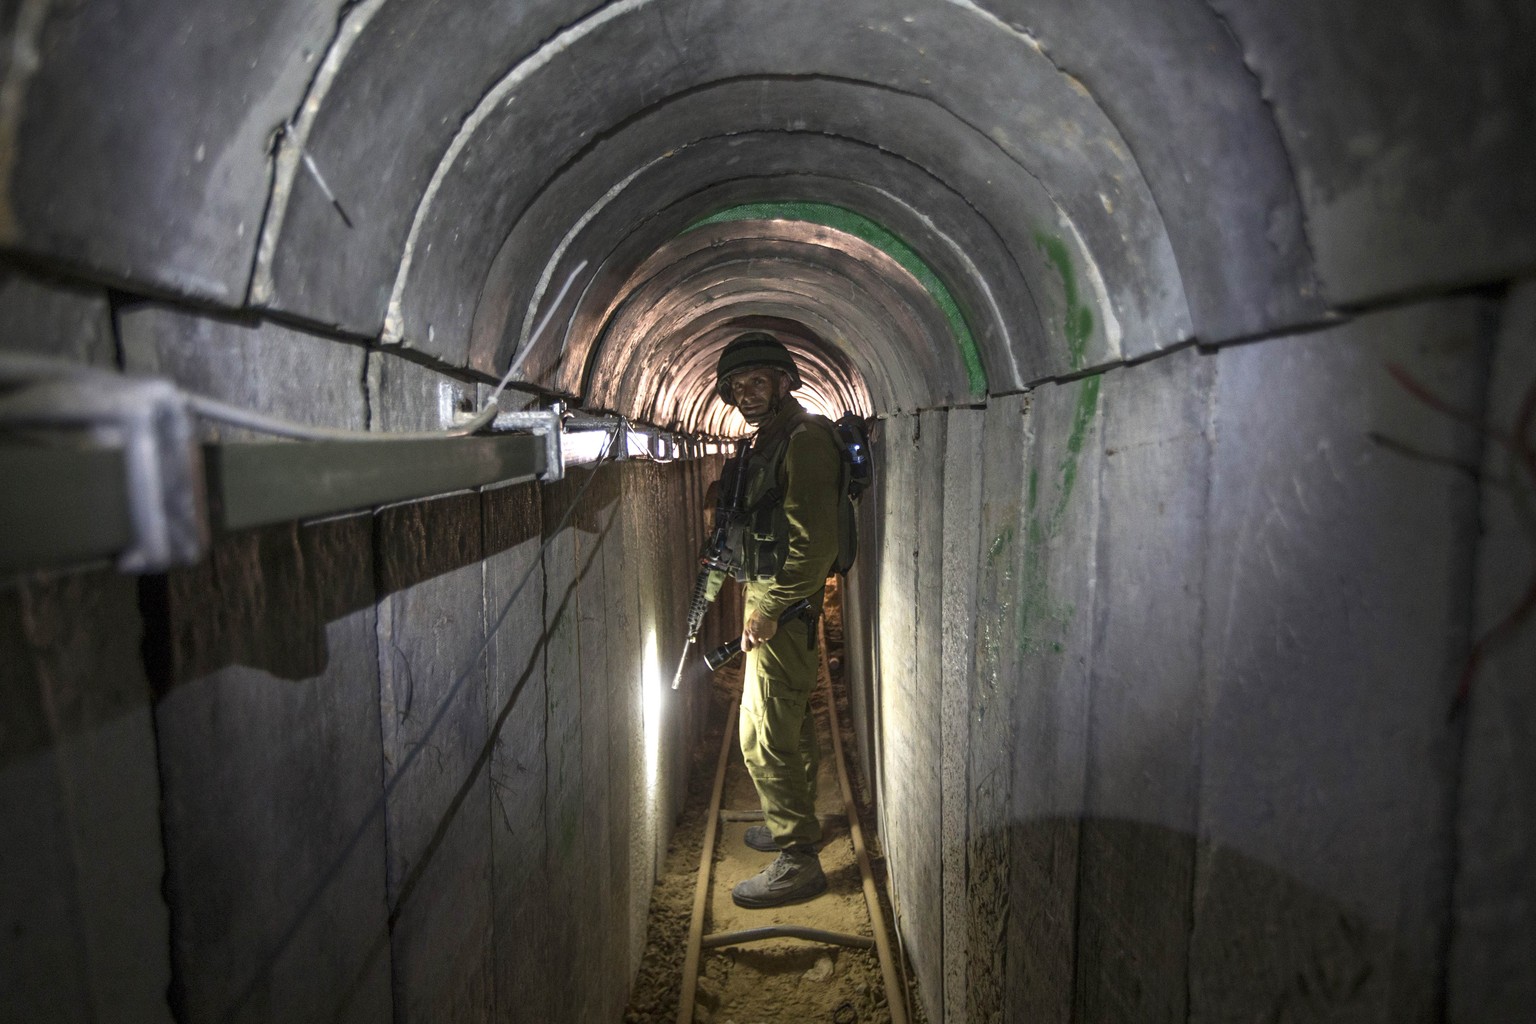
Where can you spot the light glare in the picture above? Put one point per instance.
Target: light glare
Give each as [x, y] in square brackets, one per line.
[650, 696]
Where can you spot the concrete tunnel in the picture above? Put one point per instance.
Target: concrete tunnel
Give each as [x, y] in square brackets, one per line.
[1190, 647]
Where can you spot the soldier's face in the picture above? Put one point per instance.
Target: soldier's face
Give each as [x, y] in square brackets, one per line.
[757, 392]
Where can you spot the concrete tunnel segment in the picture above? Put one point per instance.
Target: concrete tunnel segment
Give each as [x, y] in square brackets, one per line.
[1165, 581]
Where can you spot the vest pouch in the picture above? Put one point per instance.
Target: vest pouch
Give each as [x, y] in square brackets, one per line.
[769, 528]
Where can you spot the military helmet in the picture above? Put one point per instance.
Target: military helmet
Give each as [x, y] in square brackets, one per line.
[751, 351]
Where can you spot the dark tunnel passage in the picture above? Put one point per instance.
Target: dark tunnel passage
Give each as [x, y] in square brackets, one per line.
[1191, 641]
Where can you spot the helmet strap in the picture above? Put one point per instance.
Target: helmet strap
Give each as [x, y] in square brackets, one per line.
[781, 390]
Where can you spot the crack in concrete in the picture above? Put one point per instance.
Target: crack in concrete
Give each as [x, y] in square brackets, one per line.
[291, 140]
[1314, 285]
[497, 95]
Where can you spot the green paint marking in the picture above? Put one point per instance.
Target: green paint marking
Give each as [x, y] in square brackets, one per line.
[860, 226]
[1079, 318]
[1082, 418]
[1025, 603]
[1038, 615]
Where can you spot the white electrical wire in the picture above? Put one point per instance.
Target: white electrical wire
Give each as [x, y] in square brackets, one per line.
[235, 416]
[539, 330]
[28, 369]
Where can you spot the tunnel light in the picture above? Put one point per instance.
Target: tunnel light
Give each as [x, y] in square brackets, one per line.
[651, 707]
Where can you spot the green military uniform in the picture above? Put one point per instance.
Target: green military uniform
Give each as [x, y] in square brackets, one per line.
[790, 547]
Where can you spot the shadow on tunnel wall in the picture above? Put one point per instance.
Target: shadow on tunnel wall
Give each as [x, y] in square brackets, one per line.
[284, 817]
[263, 597]
[1105, 919]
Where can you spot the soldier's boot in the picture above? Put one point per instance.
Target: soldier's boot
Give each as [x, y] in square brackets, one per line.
[794, 875]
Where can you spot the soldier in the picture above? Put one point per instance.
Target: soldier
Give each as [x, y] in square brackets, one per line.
[792, 495]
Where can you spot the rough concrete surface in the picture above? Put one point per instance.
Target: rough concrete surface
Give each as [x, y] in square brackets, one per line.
[1052, 626]
[138, 135]
[51, 318]
[1331, 656]
[1400, 196]
[988, 750]
[512, 521]
[267, 724]
[85, 932]
[901, 722]
[1137, 852]
[914, 718]
[1153, 652]
[1493, 939]
[269, 759]
[964, 468]
[262, 366]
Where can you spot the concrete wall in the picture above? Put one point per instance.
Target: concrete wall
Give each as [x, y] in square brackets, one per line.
[1494, 906]
[387, 766]
[1200, 759]
[1161, 617]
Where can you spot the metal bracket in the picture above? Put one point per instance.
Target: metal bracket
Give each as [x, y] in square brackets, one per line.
[546, 423]
[148, 421]
[99, 464]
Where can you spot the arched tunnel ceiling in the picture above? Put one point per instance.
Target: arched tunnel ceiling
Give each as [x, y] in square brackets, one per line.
[866, 331]
[624, 225]
[1093, 181]
[478, 196]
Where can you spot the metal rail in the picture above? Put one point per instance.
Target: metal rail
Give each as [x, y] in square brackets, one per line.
[701, 888]
[787, 931]
[63, 505]
[895, 991]
[100, 464]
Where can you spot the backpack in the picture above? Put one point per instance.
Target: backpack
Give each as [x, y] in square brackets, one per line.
[851, 438]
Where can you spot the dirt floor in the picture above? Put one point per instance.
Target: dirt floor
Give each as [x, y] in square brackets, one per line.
[780, 980]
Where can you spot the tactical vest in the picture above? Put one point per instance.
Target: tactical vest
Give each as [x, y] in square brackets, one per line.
[766, 537]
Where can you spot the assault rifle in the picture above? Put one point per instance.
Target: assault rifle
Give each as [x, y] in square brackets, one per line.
[722, 554]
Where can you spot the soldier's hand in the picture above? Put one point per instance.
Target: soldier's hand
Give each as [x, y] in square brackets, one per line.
[758, 630]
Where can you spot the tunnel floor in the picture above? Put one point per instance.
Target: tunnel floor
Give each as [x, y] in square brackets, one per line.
[782, 979]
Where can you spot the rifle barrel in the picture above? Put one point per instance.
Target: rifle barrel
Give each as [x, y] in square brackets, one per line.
[677, 680]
